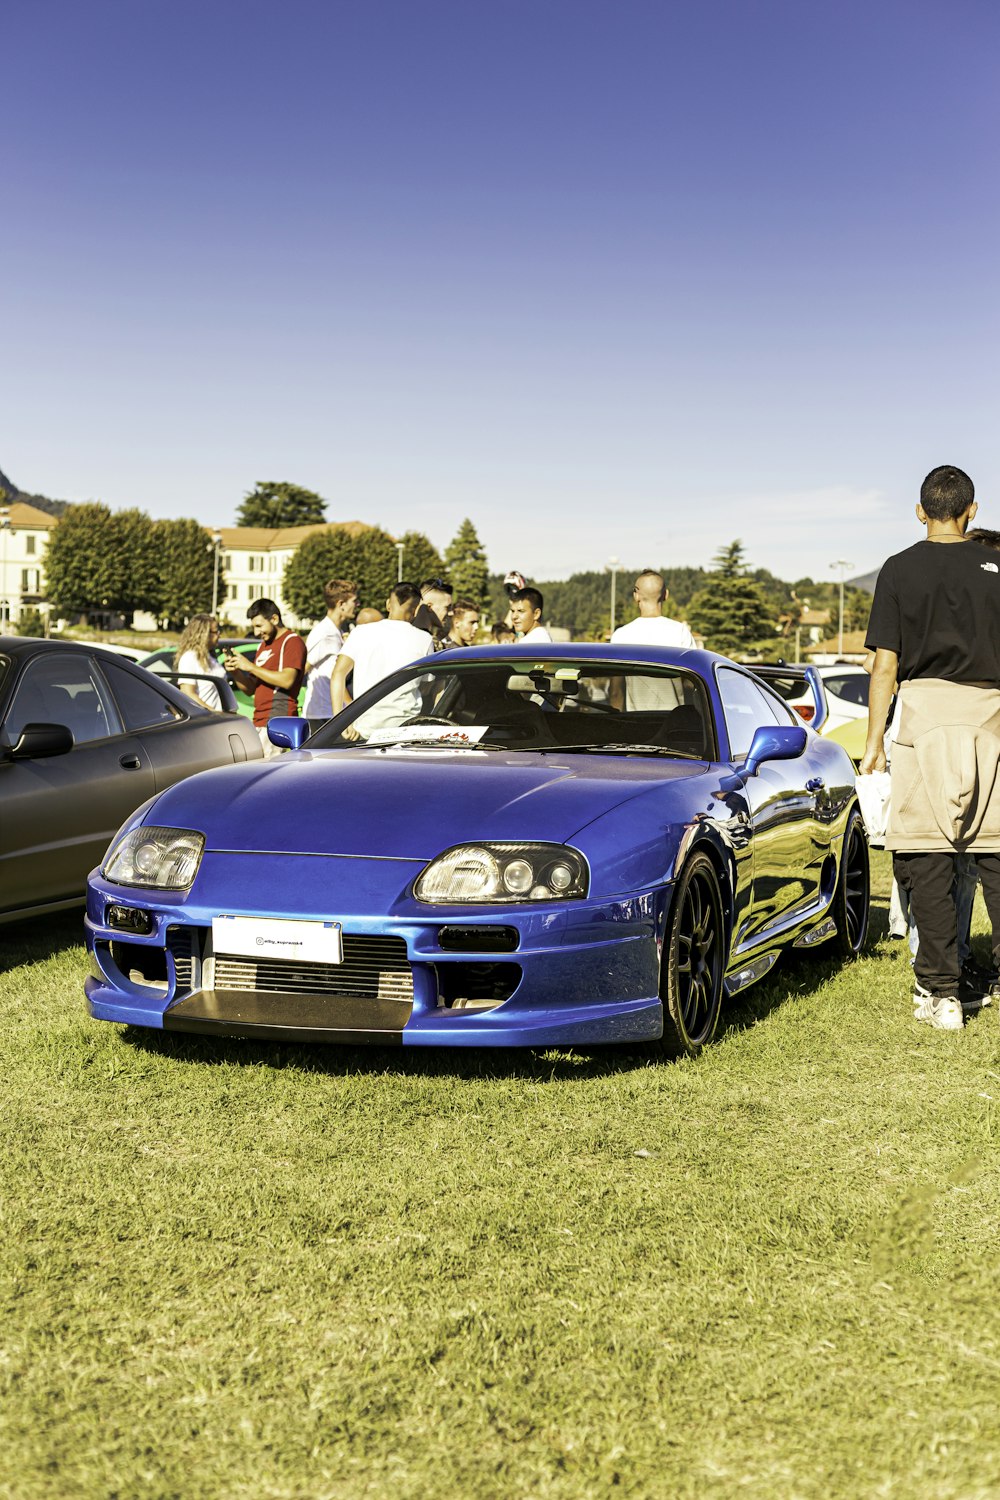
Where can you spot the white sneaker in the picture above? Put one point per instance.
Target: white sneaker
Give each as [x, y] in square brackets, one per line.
[942, 1013]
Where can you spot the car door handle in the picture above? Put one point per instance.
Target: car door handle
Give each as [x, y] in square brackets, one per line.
[815, 784]
[129, 762]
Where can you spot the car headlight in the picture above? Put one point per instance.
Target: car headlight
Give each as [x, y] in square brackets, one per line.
[162, 859]
[504, 872]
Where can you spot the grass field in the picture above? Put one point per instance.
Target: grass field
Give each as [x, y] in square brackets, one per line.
[242, 1270]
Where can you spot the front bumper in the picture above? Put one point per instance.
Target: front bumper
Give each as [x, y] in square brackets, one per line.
[584, 972]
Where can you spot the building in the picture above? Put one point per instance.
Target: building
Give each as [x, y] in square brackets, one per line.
[24, 536]
[252, 562]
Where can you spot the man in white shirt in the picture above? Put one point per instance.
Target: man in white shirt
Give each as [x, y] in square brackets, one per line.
[323, 644]
[375, 651]
[526, 607]
[651, 628]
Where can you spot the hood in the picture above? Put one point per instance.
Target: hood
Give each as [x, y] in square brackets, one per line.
[406, 804]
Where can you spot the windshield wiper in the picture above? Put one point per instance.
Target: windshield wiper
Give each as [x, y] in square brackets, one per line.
[618, 748]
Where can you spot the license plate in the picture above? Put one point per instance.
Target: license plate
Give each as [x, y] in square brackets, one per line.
[277, 937]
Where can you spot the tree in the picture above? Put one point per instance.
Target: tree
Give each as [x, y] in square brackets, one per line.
[467, 567]
[857, 608]
[421, 559]
[731, 611]
[367, 557]
[99, 560]
[187, 570]
[275, 503]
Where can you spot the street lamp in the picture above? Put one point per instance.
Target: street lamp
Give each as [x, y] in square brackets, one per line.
[615, 564]
[5, 526]
[216, 543]
[845, 567]
[400, 549]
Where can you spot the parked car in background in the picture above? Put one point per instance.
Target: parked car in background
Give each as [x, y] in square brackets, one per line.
[85, 738]
[834, 700]
[161, 661]
[498, 846]
[130, 653]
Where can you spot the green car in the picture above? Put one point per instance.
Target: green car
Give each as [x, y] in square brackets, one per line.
[161, 662]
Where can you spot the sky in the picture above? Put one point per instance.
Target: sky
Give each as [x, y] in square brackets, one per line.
[625, 279]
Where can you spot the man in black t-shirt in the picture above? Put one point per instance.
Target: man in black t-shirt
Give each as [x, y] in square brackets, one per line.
[935, 627]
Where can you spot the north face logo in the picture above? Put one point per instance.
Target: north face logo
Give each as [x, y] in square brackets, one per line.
[989, 567]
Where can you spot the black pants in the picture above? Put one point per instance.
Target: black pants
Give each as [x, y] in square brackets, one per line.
[927, 879]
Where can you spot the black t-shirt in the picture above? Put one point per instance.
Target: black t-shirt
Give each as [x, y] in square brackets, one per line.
[937, 605]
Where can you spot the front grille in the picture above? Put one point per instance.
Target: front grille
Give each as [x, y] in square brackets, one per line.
[372, 966]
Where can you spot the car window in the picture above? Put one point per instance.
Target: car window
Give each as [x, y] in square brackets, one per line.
[851, 686]
[533, 704]
[747, 707]
[142, 704]
[58, 689]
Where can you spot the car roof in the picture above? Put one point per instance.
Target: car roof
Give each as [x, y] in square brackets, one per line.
[690, 657]
[17, 646]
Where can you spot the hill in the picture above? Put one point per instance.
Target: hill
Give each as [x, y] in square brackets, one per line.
[40, 502]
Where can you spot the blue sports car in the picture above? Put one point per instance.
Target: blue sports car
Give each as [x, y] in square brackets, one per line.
[507, 846]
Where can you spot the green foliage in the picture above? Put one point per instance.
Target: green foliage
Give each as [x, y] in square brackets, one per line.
[186, 561]
[421, 559]
[369, 559]
[730, 560]
[857, 608]
[467, 567]
[731, 611]
[98, 559]
[31, 622]
[275, 503]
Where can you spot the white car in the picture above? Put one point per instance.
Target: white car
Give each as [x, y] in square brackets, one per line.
[847, 694]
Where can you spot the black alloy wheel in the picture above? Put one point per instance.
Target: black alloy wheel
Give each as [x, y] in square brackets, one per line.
[694, 961]
[852, 900]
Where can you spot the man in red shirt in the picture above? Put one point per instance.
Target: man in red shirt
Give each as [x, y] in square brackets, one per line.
[275, 674]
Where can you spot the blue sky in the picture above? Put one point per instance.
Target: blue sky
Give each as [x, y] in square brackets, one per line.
[624, 279]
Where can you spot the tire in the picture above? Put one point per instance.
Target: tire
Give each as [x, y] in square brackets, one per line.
[852, 899]
[694, 962]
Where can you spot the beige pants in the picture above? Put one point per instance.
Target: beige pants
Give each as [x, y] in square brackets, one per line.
[270, 751]
[946, 768]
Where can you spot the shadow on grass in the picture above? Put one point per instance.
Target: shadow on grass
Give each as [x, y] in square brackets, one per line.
[795, 973]
[39, 938]
[798, 972]
[339, 1060]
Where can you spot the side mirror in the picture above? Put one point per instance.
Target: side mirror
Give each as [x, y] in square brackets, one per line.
[288, 734]
[40, 740]
[773, 742]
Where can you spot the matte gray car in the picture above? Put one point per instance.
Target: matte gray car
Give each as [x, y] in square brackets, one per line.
[85, 738]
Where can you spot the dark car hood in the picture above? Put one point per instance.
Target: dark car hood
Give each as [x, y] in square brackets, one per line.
[408, 804]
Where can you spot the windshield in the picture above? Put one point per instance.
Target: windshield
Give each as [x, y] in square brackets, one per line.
[540, 705]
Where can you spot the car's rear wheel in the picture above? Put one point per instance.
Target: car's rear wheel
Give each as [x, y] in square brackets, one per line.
[852, 900]
[694, 961]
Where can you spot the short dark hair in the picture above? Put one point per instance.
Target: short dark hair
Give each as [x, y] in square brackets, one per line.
[500, 630]
[265, 607]
[984, 537]
[403, 593]
[533, 597]
[441, 585]
[465, 607]
[947, 493]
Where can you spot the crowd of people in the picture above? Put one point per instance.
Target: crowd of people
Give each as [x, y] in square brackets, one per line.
[351, 649]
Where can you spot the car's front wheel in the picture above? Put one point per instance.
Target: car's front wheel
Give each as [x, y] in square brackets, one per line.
[694, 961]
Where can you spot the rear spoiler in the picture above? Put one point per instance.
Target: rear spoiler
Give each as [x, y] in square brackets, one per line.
[809, 677]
